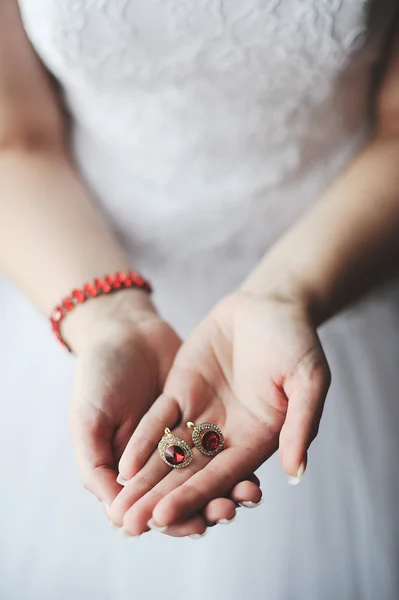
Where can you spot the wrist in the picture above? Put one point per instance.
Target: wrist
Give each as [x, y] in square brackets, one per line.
[84, 324]
[279, 281]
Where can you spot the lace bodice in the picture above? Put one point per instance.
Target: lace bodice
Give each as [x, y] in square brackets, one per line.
[205, 127]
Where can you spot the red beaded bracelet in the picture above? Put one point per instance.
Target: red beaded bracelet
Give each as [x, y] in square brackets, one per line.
[109, 283]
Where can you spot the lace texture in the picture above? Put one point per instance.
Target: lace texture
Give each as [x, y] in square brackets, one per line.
[203, 107]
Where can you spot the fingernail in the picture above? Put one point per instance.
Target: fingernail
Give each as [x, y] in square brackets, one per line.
[249, 504]
[121, 481]
[127, 535]
[297, 479]
[197, 536]
[106, 508]
[114, 526]
[155, 527]
[226, 521]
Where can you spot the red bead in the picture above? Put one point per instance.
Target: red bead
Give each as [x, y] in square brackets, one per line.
[210, 441]
[175, 455]
[68, 304]
[90, 290]
[102, 286]
[57, 314]
[137, 279]
[128, 283]
[79, 296]
[121, 277]
[110, 279]
[99, 283]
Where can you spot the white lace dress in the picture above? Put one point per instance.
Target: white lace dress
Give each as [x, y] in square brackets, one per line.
[204, 129]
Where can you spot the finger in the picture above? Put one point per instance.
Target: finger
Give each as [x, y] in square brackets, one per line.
[306, 391]
[216, 479]
[96, 463]
[164, 412]
[220, 510]
[143, 482]
[152, 473]
[196, 527]
[140, 511]
[246, 494]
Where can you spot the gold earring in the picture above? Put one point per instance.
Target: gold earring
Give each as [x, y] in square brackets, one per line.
[174, 451]
[207, 438]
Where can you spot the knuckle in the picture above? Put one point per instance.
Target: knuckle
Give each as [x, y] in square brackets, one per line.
[316, 377]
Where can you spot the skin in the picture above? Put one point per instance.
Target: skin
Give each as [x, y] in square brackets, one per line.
[53, 238]
[254, 366]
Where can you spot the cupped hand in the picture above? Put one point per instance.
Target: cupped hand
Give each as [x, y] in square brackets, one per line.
[256, 369]
[125, 351]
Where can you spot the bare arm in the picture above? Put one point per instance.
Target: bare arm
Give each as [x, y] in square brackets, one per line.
[52, 236]
[349, 242]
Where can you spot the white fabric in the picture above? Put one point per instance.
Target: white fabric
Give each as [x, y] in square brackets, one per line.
[205, 128]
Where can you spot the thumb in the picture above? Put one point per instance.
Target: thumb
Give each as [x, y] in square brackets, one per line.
[306, 389]
[94, 452]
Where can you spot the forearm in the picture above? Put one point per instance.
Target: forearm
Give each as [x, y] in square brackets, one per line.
[347, 244]
[53, 237]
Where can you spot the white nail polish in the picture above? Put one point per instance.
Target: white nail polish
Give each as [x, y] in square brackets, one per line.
[127, 535]
[160, 528]
[297, 479]
[114, 526]
[226, 521]
[197, 536]
[249, 504]
[121, 481]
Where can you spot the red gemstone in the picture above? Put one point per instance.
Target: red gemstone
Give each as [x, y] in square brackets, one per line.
[175, 455]
[210, 441]
[79, 296]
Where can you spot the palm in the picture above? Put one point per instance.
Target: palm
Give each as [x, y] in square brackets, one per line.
[238, 370]
[116, 381]
[235, 368]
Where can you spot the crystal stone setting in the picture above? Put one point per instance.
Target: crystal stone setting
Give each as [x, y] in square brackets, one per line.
[174, 451]
[208, 439]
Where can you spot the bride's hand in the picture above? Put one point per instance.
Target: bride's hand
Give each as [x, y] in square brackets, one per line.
[255, 368]
[125, 351]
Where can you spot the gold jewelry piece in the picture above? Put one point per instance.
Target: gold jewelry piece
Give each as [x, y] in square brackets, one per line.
[174, 451]
[207, 438]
